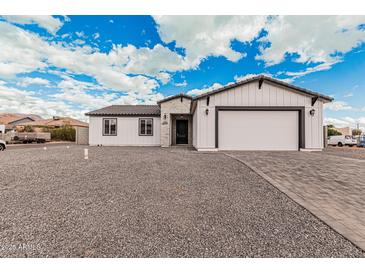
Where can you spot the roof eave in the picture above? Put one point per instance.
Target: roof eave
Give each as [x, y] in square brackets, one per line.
[121, 115]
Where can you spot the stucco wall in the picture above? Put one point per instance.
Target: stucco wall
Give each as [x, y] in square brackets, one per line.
[250, 95]
[82, 135]
[174, 106]
[127, 132]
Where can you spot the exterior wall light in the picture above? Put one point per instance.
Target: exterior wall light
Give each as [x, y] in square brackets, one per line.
[206, 111]
[312, 111]
[164, 116]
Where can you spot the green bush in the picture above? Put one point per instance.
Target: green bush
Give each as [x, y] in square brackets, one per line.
[28, 128]
[65, 133]
[331, 131]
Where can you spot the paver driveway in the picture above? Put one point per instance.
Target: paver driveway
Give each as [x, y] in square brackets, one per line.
[331, 184]
[150, 202]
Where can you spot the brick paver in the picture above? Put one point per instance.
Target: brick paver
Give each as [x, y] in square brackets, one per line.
[331, 187]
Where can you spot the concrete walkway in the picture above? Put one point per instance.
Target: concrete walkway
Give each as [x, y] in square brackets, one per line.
[330, 186]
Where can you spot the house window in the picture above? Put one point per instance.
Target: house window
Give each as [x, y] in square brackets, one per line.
[110, 126]
[146, 127]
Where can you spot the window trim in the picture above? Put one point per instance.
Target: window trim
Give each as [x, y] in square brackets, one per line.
[139, 126]
[116, 126]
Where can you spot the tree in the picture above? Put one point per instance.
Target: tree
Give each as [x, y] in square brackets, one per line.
[28, 128]
[331, 131]
[356, 132]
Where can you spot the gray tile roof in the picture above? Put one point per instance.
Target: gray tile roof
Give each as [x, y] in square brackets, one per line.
[127, 110]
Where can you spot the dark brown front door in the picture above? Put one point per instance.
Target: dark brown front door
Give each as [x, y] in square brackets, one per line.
[181, 132]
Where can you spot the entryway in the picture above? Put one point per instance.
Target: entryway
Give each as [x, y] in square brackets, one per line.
[182, 132]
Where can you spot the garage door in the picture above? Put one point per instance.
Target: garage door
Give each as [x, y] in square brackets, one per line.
[258, 130]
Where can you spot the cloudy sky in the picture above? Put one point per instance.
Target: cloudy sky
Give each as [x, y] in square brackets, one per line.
[68, 65]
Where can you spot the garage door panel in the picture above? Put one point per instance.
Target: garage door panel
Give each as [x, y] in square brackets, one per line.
[258, 130]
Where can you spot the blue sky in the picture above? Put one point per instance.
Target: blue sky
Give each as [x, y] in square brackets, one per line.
[68, 65]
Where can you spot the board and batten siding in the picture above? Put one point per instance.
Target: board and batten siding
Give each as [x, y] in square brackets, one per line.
[250, 95]
[127, 132]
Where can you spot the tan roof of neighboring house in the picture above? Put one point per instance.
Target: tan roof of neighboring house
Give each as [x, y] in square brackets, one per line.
[6, 118]
[60, 121]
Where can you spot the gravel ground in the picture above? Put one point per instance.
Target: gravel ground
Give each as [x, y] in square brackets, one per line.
[347, 152]
[150, 202]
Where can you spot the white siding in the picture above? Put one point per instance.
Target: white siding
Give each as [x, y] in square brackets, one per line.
[250, 95]
[127, 133]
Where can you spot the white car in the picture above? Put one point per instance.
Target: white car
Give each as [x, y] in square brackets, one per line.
[2, 145]
[342, 140]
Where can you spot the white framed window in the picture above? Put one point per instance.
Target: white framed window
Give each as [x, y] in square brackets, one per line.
[110, 126]
[145, 127]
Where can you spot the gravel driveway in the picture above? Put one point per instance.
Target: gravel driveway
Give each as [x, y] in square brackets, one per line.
[347, 152]
[150, 202]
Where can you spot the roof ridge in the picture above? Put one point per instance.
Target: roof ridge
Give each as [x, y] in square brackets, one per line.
[170, 97]
[263, 77]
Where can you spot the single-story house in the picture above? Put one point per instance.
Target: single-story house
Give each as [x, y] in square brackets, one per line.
[54, 122]
[11, 120]
[260, 113]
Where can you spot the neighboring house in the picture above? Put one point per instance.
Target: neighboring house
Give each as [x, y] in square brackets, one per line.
[54, 122]
[11, 120]
[260, 113]
[344, 130]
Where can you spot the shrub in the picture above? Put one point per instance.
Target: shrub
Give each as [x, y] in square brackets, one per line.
[28, 128]
[356, 132]
[65, 133]
[331, 131]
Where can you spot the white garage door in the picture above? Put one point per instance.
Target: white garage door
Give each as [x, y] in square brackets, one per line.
[258, 130]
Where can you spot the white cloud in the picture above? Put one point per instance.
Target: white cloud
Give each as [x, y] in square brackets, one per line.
[164, 77]
[74, 91]
[148, 61]
[182, 84]
[314, 38]
[350, 94]
[62, 103]
[20, 101]
[27, 81]
[203, 36]
[240, 78]
[24, 52]
[79, 42]
[125, 75]
[195, 92]
[21, 52]
[320, 67]
[50, 23]
[96, 35]
[337, 106]
[80, 34]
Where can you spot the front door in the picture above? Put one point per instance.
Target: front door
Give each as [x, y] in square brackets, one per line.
[181, 132]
